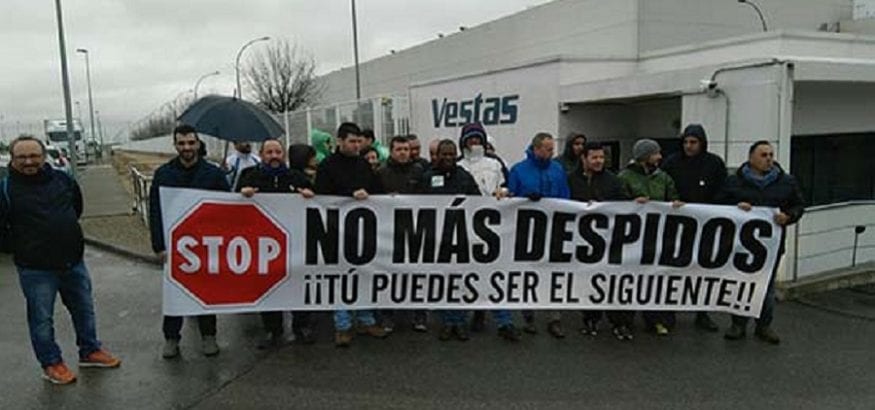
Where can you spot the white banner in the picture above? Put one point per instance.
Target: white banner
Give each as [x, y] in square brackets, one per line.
[230, 254]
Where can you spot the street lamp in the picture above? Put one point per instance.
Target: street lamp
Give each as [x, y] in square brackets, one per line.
[90, 100]
[355, 50]
[237, 63]
[759, 13]
[198, 83]
[65, 81]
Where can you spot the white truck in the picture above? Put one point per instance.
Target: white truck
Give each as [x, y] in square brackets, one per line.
[56, 134]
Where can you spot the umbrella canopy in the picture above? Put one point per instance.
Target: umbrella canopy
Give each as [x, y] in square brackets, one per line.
[231, 119]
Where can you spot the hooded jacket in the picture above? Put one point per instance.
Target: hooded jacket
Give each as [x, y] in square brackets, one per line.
[201, 175]
[342, 175]
[400, 178]
[273, 180]
[43, 213]
[568, 160]
[454, 182]
[656, 185]
[487, 171]
[321, 142]
[699, 178]
[539, 177]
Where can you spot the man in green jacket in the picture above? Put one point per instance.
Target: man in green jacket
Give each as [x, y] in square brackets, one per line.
[644, 181]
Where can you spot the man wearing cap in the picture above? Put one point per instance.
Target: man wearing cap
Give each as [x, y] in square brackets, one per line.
[644, 181]
[699, 175]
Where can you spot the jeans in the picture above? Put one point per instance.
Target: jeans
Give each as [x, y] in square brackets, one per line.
[454, 317]
[343, 319]
[40, 288]
[173, 325]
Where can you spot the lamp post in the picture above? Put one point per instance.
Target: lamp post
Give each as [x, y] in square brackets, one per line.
[355, 50]
[65, 81]
[759, 13]
[90, 100]
[237, 63]
[198, 83]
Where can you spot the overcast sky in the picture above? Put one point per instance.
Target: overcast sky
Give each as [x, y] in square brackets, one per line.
[145, 52]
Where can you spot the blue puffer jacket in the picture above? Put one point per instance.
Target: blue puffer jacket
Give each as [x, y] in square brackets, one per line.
[202, 175]
[543, 178]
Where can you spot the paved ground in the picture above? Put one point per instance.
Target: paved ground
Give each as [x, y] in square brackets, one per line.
[103, 192]
[827, 361]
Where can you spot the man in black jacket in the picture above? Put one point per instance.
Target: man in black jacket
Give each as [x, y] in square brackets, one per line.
[591, 182]
[187, 170]
[346, 173]
[698, 175]
[272, 175]
[40, 210]
[762, 182]
[401, 174]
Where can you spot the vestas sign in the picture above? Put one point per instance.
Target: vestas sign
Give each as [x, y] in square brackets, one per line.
[502, 110]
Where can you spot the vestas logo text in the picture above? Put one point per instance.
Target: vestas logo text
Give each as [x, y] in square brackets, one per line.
[488, 111]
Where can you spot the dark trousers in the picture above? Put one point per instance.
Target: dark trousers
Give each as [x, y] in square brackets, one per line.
[652, 317]
[767, 312]
[173, 325]
[616, 317]
[273, 322]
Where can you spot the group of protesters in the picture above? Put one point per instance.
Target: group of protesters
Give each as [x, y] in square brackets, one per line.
[359, 167]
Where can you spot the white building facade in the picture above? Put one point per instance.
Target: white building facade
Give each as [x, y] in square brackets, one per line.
[620, 70]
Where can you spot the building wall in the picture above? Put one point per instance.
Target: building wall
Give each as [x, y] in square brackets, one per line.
[670, 23]
[531, 92]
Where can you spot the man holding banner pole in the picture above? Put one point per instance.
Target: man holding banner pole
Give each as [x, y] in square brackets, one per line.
[346, 173]
[186, 170]
[644, 181]
[761, 182]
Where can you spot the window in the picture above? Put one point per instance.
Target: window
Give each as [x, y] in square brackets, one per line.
[834, 168]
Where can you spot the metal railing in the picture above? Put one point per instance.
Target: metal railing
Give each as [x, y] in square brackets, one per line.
[844, 251]
[141, 184]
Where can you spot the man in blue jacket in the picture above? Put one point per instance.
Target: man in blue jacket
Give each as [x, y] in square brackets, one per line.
[536, 177]
[40, 210]
[187, 170]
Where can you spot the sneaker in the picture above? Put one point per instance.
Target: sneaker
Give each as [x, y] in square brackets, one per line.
[342, 338]
[555, 329]
[590, 328]
[100, 358]
[735, 332]
[767, 335]
[59, 374]
[210, 347]
[304, 336]
[171, 349]
[704, 322]
[660, 329]
[478, 322]
[446, 333]
[622, 333]
[529, 327]
[420, 327]
[509, 333]
[460, 333]
[373, 331]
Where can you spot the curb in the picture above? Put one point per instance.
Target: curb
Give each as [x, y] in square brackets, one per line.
[122, 251]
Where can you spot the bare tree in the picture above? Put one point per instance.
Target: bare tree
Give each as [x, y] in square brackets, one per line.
[282, 78]
[162, 120]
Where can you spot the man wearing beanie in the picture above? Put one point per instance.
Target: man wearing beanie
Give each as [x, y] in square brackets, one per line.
[699, 176]
[644, 181]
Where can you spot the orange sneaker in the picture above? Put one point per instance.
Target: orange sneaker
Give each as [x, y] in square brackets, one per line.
[59, 374]
[100, 358]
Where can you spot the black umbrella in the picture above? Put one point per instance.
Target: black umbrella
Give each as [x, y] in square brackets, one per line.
[231, 119]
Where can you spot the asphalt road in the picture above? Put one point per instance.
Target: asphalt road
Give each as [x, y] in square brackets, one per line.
[826, 361]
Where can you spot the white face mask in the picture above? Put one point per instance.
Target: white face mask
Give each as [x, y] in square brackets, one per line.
[476, 151]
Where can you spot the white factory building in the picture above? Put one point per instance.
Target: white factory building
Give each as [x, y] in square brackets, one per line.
[620, 70]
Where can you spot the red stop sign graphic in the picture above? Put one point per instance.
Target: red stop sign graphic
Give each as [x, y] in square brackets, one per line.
[228, 253]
